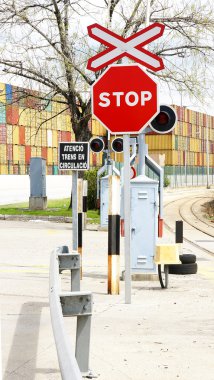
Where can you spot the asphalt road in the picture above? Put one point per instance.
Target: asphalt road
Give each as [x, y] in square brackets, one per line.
[163, 334]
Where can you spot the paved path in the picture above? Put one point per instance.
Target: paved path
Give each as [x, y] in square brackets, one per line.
[163, 334]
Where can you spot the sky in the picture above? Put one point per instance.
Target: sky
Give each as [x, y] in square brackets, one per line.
[166, 96]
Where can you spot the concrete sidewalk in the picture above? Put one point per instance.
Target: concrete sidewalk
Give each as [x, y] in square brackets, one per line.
[163, 334]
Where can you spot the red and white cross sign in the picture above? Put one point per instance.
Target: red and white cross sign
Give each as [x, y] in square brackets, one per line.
[120, 47]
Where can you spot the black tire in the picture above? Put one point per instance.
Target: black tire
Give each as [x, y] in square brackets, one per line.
[163, 272]
[183, 268]
[187, 258]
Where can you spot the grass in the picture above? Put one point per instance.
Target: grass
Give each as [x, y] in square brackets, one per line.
[57, 207]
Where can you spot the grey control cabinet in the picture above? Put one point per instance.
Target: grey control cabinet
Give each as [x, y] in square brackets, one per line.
[38, 199]
[104, 193]
[144, 224]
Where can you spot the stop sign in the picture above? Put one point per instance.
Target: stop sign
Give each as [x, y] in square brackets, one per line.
[125, 99]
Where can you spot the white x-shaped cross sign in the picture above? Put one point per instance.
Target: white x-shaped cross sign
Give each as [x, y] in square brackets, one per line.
[120, 47]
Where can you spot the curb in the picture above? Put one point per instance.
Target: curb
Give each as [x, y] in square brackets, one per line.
[51, 218]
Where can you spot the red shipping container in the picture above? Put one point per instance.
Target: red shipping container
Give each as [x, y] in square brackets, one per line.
[68, 136]
[12, 114]
[44, 153]
[27, 154]
[22, 135]
[64, 136]
[9, 152]
[3, 134]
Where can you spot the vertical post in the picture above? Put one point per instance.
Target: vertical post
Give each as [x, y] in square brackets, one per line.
[80, 202]
[74, 209]
[127, 209]
[83, 342]
[84, 202]
[114, 235]
[141, 141]
[179, 234]
[207, 154]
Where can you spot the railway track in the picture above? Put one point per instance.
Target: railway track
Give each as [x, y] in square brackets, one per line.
[197, 231]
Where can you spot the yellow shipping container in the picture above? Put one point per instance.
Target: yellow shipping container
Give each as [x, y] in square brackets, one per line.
[2, 93]
[22, 169]
[68, 122]
[55, 155]
[157, 142]
[9, 134]
[44, 137]
[15, 154]
[15, 135]
[38, 137]
[33, 151]
[3, 169]
[33, 136]
[22, 154]
[33, 117]
[3, 155]
[55, 139]
[38, 152]
[27, 135]
[165, 157]
[50, 156]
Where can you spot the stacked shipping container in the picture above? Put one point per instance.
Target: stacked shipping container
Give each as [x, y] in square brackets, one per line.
[185, 147]
[32, 127]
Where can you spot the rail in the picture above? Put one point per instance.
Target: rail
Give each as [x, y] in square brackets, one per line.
[72, 303]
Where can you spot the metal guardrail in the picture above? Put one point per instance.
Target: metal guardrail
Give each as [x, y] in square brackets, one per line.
[74, 303]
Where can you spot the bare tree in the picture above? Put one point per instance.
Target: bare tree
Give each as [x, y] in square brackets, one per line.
[45, 42]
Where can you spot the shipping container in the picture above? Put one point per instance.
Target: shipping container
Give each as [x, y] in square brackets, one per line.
[3, 134]
[22, 154]
[9, 93]
[2, 93]
[9, 134]
[16, 135]
[15, 154]
[3, 169]
[12, 114]
[44, 153]
[50, 156]
[27, 154]
[22, 135]
[2, 113]
[55, 155]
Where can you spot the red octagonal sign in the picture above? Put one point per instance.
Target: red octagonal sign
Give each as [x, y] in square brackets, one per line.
[125, 99]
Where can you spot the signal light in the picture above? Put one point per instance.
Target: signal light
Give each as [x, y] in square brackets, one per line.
[165, 121]
[117, 145]
[97, 145]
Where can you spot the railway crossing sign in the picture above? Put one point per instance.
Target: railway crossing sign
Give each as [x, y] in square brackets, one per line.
[125, 99]
[119, 47]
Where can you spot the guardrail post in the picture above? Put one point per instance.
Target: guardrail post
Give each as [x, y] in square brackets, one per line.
[83, 342]
[80, 304]
[71, 262]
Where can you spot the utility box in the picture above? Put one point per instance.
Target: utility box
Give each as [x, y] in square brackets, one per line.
[144, 224]
[38, 199]
[104, 194]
